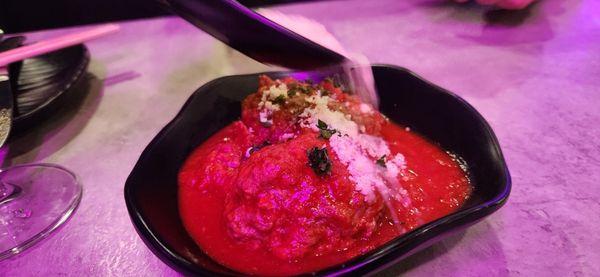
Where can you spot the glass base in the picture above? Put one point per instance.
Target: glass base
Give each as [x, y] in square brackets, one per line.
[35, 199]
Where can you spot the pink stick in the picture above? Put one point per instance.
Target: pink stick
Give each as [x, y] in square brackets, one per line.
[52, 44]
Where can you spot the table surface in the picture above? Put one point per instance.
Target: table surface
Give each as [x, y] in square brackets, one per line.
[534, 75]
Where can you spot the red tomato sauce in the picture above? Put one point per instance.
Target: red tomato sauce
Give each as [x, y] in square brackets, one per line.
[251, 201]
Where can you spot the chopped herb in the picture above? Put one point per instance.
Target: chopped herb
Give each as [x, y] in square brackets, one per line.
[305, 89]
[318, 160]
[326, 134]
[321, 124]
[324, 130]
[298, 88]
[381, 161]
[279, 99]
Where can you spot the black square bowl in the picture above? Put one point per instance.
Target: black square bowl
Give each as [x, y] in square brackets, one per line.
[151, 189]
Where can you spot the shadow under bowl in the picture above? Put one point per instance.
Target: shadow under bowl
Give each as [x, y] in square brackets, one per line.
[442, 117]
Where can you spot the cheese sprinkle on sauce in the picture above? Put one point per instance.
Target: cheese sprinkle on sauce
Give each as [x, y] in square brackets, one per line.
[357, 150]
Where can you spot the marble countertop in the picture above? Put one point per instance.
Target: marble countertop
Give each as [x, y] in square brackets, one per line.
[534, 75]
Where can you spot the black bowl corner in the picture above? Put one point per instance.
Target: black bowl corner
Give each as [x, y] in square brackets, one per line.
[151, 188]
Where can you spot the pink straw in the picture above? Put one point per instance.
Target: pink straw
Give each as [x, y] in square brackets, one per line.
[52, 44]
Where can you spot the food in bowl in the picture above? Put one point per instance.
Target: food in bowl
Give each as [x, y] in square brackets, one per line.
[310, 177]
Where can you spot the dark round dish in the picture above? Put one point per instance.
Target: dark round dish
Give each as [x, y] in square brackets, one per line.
[151, 189]
[42, 85]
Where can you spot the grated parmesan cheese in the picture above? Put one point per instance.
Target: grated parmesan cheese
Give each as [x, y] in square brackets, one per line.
[358, 151]
[266, 106]
[335, 119]
[358, 154]
[271, 94]
[355, 149]
[271, 107]
[277, 90]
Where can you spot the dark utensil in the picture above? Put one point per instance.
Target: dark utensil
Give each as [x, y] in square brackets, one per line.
[151, 189]
[253, 34]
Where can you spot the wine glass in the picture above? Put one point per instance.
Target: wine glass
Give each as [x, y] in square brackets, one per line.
[35, 199]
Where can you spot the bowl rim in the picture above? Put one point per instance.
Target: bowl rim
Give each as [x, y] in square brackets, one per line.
[357, 264]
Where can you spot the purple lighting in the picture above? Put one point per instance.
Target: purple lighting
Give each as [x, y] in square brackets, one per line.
[535, 78]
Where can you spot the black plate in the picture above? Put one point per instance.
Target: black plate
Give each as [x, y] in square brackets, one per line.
[151, 189]
[42, 85]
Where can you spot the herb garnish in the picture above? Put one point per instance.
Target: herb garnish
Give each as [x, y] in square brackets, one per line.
[318, 160]
[381, 161]
[279, 99]
[326, 134]
[295, 88]
[324, 130]
[321, 124]
[306, 89]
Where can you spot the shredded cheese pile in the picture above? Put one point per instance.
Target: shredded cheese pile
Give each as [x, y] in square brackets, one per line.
[357, 150]
[266, 105]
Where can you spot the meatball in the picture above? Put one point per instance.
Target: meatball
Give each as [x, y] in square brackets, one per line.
[280, 204]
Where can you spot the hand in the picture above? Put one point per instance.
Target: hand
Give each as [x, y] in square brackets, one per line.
[505, 4]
